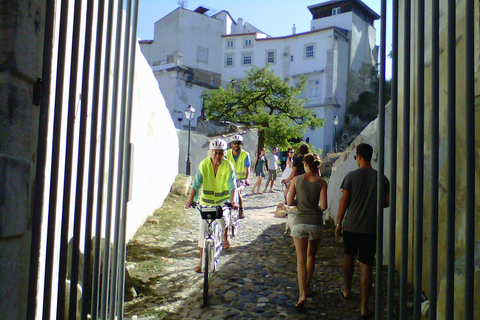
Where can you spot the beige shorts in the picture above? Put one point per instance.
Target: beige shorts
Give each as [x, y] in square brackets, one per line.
[272, 174]
[307, 230]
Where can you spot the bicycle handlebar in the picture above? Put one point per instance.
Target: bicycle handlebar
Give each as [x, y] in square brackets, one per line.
[195, 205]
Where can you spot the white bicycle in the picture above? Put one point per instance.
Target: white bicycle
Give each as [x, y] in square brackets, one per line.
[213, 238]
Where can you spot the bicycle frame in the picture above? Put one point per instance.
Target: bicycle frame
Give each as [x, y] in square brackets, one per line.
[213, 242]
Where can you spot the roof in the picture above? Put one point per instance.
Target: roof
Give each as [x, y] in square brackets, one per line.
[339, 30]
[360, 3]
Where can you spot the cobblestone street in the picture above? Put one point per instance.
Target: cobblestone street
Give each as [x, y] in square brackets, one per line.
[255, 279]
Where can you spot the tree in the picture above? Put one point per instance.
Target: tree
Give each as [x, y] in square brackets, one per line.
[364, 110]
[264, 101]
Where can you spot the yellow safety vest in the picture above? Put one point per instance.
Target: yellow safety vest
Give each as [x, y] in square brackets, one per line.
[215, 188]
[239, 164]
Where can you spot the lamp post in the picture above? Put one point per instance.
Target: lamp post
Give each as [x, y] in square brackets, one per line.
[335, 123]
[189, 114]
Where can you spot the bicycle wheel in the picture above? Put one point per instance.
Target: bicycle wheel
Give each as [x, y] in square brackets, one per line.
[206, 270]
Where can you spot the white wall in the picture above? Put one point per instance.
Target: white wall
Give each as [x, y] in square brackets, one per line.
[183, 31]
[343, 20]
[155, 156]
[362, 44]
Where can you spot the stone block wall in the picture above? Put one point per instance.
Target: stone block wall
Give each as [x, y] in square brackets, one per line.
[21, 38]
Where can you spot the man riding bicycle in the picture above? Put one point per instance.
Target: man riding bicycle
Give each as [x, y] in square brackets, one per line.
[241, 161]
[217, 175]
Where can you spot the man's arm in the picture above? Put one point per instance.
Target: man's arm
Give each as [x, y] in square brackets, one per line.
[342, 208]
[232, 188]
[247, 172]
[323, 196]
[247, 169]
[197, 183]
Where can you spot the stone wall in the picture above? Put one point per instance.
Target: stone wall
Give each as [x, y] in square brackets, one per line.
[21, 38]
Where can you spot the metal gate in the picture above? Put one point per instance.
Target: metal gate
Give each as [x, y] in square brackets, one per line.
[83, 166]
[430, 184]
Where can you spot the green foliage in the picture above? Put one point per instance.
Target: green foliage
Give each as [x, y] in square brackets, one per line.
[296, 146]
[366, 107]
[266, 102]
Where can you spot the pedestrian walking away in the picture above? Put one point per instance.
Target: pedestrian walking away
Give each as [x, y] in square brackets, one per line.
[272, 165]
[358, 205]
[260, 165]
[241, 162]
[308, 193]
[217, 176]
[297, 167]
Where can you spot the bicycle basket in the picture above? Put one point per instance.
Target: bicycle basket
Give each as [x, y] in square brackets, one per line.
[211, 212]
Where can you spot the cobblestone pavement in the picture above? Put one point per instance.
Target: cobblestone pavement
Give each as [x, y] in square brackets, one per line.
[255, 279]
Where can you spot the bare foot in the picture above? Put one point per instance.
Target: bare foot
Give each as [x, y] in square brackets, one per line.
[198, 268]
[300, 304]
[226, 243]
[345, 295]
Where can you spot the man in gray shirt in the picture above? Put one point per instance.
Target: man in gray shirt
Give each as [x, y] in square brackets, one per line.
[359, 196]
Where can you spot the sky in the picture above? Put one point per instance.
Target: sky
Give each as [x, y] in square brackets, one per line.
[274, 17]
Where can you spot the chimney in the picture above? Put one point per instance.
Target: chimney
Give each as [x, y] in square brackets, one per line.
[294, 29]
[240, 24]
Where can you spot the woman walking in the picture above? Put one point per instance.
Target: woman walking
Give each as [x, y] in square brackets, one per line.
[260, 169]
[309, 193]
[287, 171]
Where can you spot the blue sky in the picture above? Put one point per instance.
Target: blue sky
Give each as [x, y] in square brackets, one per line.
[274, 17]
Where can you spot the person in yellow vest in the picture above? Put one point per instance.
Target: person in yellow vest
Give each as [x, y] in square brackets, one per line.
[217, 175]
[241, 161]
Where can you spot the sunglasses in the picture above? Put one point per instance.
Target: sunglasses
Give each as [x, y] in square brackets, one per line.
[218, 153]
[290, 151]
[237, 143]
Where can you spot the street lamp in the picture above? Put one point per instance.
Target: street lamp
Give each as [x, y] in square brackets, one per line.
[189, 114]
[335, 123]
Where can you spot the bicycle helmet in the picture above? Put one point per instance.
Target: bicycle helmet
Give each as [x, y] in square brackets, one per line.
[236, 137]
[218, 144]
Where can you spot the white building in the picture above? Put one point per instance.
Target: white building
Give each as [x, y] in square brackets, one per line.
[194, 50]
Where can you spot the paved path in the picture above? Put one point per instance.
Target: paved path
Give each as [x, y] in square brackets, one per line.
[256, 277]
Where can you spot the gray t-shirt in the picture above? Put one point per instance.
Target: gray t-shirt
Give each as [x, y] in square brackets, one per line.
[361, 216]
[308, 199]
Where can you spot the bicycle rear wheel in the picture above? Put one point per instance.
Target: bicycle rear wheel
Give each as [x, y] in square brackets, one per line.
[206, 270]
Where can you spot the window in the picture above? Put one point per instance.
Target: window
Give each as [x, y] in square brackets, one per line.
[271, 56]
[231, 44]
[202, 54]
[314, 89]
[247, 58]
[247, 43]
[309, 51]
[335, 11]
[229, 60]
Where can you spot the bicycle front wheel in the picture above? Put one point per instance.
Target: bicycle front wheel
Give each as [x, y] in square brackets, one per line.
[206, 270]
